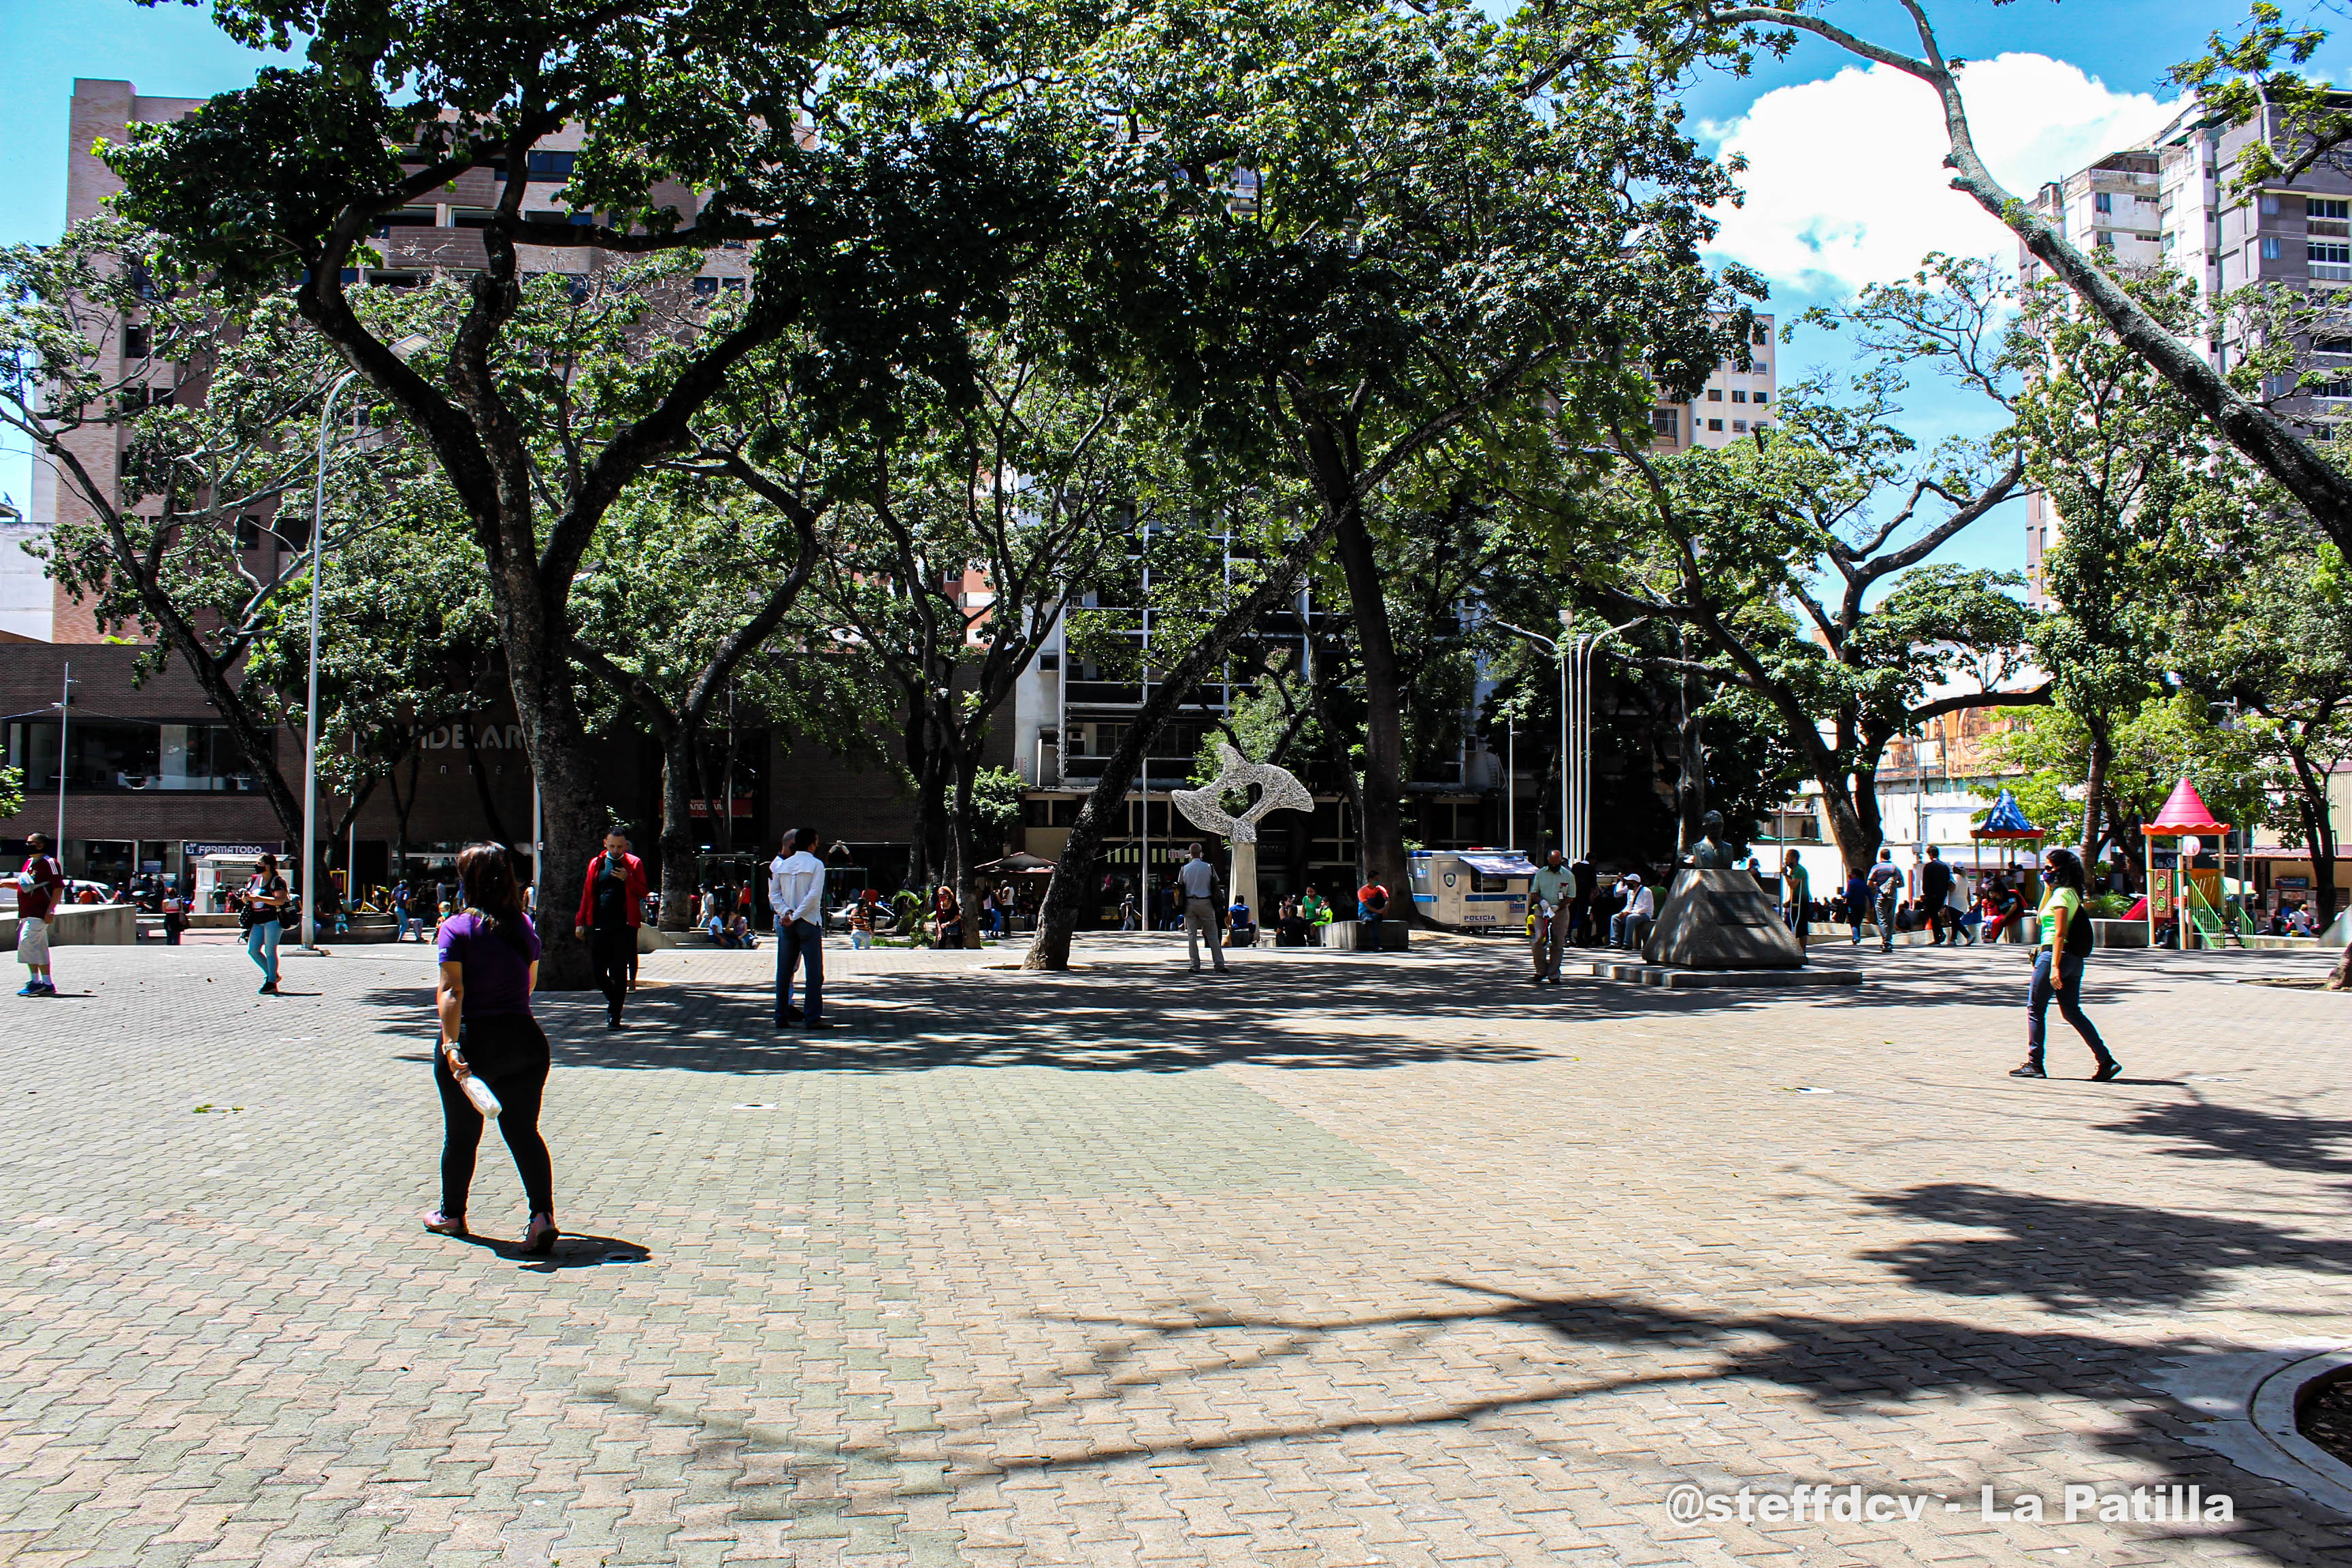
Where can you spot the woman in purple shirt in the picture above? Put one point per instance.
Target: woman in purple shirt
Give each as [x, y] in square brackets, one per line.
[489, 966]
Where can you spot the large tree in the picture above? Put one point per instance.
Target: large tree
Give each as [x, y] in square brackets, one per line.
[1430, 223]
[984, 509]
[883, 166]
[183, 421]
[1801, 557]
[2254, 75]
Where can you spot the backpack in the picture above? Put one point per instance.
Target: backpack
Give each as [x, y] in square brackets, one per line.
[2079, 937]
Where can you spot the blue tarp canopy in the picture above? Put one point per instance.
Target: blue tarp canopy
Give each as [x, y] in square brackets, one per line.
[2005, 820]
[1500, 865]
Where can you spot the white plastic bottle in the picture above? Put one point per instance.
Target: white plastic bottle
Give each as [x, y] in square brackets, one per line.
[479, 1093]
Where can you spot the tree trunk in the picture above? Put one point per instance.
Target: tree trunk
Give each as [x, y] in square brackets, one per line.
[1857, 845]
[532, 622]
[401, 810]
[1382, 845]
[1690, 787]
[2095, 784]
[1074, 881]
[959, 843]
[677, 829]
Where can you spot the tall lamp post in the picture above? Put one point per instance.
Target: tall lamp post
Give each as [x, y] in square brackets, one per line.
[1558, 651]
[311, 707]
[403, 349]
[1574, 655]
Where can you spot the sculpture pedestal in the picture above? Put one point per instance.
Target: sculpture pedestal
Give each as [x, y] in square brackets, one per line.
[1243, 879]
[1720, 920]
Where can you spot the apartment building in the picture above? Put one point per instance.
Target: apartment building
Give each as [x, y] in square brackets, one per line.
[147, 774]
[2172, 201]
[1733, 402]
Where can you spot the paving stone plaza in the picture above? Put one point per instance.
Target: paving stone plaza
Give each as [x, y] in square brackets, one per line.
[1342, 1260]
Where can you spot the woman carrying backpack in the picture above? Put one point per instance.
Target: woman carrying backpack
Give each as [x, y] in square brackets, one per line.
[264, 911]
[2058, 967]
[489, 967]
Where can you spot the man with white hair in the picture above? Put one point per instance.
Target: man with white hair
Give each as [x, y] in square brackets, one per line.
[1630, 925]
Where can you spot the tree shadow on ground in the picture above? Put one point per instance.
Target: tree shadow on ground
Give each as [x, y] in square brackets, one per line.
[1347, 1012]
[2070, 1255]
[2202, 1129]
[2076, 1255]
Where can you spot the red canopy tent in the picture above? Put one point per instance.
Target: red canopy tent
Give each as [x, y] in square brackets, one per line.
[2185, 814]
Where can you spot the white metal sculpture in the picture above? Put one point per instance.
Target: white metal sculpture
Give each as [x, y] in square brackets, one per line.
[1278, 789]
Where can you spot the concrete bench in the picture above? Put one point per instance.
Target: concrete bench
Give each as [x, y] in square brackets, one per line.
[1348, 936]
[82, 925]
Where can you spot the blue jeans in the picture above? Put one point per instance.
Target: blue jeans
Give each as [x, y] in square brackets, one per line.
[261, 944]
[2068, 990]
[799, 942]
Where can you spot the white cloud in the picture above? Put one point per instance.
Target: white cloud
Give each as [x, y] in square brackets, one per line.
[1845, 183]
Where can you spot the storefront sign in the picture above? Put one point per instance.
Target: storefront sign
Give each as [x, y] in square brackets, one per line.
[196, 851]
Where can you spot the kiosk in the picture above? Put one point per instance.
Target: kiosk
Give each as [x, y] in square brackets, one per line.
[1471, 890]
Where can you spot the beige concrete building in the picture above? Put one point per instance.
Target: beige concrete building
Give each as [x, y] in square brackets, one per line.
[2171, 201]
[1732, 404]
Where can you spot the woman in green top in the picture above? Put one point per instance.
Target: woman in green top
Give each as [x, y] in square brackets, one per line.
[2058, 967]
[1317, 911]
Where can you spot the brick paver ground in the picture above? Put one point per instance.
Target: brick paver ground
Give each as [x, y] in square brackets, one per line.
[1342, 1260]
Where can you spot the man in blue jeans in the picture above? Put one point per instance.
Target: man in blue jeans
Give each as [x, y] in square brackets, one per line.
[796, 892]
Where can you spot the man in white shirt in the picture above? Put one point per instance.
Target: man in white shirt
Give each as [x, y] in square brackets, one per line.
[1200, 880]
[796, 892]
[1632, 923]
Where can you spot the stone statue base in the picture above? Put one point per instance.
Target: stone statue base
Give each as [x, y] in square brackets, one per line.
[1720, 920]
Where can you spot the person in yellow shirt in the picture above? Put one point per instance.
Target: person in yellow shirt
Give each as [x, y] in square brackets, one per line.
[2058, 967]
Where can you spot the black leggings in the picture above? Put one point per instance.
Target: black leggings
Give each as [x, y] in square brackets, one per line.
[516, 1053]
[613, 956]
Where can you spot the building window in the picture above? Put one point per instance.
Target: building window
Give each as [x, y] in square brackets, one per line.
[249, 531]
[706, 288]
[1666, 422]
[2330, 209]
[138, 343]
[553, 167]
[1739, 424]
[2315, 250]
[2269, 206]
[2270, 248]
[1714, 394]
[1715, 424]
[1738, 395]
[2103, 203]
[1761, 397]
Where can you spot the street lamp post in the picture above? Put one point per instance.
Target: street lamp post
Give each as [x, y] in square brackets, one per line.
[65, 723]
[311, 707]
[1574, 655]
[403, 350]
[1581, 655]
[1558, 651]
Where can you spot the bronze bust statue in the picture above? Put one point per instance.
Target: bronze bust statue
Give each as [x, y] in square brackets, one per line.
[1710, 853]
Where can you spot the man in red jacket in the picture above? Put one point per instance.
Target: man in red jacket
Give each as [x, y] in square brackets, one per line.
[39, 886]
[610, 902]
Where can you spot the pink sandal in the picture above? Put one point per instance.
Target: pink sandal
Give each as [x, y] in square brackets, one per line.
[442, 1225]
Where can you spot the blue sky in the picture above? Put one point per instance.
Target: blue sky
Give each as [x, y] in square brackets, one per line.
[1838, 196]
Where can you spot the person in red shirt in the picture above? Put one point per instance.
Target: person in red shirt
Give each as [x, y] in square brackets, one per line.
[611, 903]
[38, 886]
